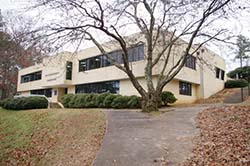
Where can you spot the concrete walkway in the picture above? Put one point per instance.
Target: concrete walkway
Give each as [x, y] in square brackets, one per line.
[135, 139]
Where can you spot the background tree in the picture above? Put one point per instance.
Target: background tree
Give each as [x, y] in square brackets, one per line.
[243, 45]
[163, 24]
[17, 50]
[241, 73]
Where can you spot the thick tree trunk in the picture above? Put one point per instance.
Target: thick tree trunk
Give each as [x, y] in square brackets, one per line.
[150, 103]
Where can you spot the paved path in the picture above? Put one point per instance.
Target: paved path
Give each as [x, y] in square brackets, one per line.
[236, 97]
[135, 139]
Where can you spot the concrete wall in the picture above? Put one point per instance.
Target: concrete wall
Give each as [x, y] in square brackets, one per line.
[126, 88]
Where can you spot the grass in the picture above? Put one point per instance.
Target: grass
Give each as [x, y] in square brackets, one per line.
[45, 137]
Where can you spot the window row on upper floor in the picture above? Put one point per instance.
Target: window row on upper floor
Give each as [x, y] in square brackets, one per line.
[134, 54]
[31, 77]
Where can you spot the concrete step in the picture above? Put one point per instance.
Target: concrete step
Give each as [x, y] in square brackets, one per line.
[55, 105]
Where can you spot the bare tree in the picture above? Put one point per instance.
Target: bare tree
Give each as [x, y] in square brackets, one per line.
[163, 23]
[17, 50]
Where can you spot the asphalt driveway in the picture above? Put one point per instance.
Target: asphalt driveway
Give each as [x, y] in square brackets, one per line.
[134, 138]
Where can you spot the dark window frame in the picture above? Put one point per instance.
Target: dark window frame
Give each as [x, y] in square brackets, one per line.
[35, 76]
[191, 62]
[217, 72]
[69, 68]
[91, 63]
[185, 88]
[45, 92]
[222, 75]
[99, 87]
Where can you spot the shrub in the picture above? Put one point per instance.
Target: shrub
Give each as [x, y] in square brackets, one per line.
[236, 84]
[108, 100]
[80, 101]
[65, 99]
[72, 102]
[99, 102]
[25, 103]
[167, 98]
[1, 103]
[120, 102]
[90, 100]
[134, 102]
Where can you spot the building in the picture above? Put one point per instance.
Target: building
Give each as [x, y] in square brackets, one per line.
[90, 72]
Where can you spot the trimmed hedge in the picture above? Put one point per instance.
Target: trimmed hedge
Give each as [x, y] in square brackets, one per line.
[120, 102]
[66, 99]
[99, 99]
[134, 102]
[109, 100]
[236, 84]
[167, 98]
[25, 103]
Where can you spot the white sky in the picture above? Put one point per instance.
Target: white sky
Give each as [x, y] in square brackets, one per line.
[243, 28]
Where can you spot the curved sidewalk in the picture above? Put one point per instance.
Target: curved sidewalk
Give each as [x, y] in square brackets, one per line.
[135, 139]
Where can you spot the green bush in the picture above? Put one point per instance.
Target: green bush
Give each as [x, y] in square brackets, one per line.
[104, 100]
[65, 99]
[99, 102]
[108, 100]
[72, 102]
[167, 98]
[80, 101]
[134, 102]
[1, 103]
[90, 100]
[236, 84]
[25, 103]
[120, 102]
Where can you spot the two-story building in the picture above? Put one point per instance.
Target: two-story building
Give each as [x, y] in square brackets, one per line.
[88, 71]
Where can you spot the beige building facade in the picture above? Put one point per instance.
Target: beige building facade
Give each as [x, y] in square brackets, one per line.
[88, 71]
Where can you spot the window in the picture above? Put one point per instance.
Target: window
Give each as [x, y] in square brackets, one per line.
[82, 65]
[134, 54]
[69, 70]
[31, 77]
[46, 92]
[100, 87]
[217, 71]
[191, 62]
[55, 92]
[66, 91]
[185, 88]
[222, 74]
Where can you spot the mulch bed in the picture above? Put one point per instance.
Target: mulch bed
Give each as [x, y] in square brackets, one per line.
[224, 137]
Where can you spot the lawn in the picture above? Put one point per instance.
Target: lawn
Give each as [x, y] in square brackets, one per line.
[50, 137]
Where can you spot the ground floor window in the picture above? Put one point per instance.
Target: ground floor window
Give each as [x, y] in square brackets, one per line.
[46, 92]
[100, 87]
[185, 88]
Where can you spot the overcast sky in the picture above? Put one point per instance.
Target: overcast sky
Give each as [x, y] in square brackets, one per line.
[240, 28]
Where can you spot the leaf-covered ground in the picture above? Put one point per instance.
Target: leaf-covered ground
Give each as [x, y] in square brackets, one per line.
[50, 137]
[224, 137]
[218, 97]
